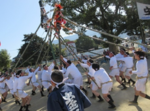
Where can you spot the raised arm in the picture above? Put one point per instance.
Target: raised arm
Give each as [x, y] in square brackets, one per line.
[50, 68]
[84, 65]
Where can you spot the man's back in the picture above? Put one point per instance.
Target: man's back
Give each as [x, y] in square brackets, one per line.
[67, 98]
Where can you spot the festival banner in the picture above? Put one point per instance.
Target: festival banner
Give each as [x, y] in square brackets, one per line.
[143, 11]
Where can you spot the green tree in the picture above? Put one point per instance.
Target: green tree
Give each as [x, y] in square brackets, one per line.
[5, 61]
[85, 43]
[111, 16]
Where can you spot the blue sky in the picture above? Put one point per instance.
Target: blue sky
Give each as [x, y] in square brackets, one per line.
[19, 17]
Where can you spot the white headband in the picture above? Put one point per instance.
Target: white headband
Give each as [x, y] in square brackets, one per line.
[57, 84]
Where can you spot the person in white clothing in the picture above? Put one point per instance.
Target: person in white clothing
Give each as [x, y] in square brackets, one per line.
[75, 73]
[39, 73]
[3, 89]
[129, 64]
[34, 82]
[20, 86]
[122, 66]
[104, 82]
[21, 83]
[10, 83]
[114, 68]
[91, 72]
[46, 76]
[142, 75]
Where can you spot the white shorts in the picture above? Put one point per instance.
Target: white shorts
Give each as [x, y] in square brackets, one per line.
[11, 91]
[46, 84]
[40, 81]
[106, 88]
[78, 81]
[3, 90]
[22, 94]
[35, 84]
[127, 73]
[94, 86]
[140, 85]
[114, 72]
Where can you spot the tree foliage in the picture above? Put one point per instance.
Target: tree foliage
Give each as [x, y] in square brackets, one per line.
[5, 61]
[111, 16]
[85, 43]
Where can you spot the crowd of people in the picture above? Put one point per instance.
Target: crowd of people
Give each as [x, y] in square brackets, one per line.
[65, 93]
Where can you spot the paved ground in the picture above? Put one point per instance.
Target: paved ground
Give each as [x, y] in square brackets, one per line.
[120, 97]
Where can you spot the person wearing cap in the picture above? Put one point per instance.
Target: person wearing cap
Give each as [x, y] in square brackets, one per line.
[104, 82]
[75, 73]
[20, 86]
[142, 76]
[91, 72]
[46, 76]
[129, 64]
[65, 97]
[34, 82]
[122, 66]
[114, 68]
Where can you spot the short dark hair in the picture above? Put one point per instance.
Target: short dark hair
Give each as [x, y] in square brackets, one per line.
[127, 53]
[57, 76]
[69, 61]
[91, 61]
[95, 66]
[56, 67]
[19, 72]
[30, 69]
[44, 65]
[122, 49]
[141, 54]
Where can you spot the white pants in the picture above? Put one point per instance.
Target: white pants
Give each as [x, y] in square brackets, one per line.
[22, 94]
[140, 85]
[122, 67]
[3, 90]
[46, 84]
[35, 84]
[40, 81]
[127, 73]
[94, 86]
[78, 81]
[11, 91]
[106, 88]
[114, 72]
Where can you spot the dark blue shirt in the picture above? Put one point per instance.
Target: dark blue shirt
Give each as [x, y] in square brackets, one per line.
[67, 98]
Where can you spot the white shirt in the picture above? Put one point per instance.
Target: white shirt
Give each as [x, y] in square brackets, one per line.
[128, 61]
[113, 62]
[39, 73]
[91, 70]
[84, 61]
[15, 84]
[101, 76]
[119, 56]
[32, 74]
[2, 84]
[27, 70]
[21, 81]
[73, 71]
[9, 83]
[141, 68]
[47, 73]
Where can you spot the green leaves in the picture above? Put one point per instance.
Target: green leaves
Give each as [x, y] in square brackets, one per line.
[5, 61]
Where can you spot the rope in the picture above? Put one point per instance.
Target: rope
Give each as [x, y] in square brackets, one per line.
[42, 48]
[104, 33]
[26, 47]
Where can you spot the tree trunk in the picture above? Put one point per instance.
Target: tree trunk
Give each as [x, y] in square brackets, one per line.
[113, 48]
